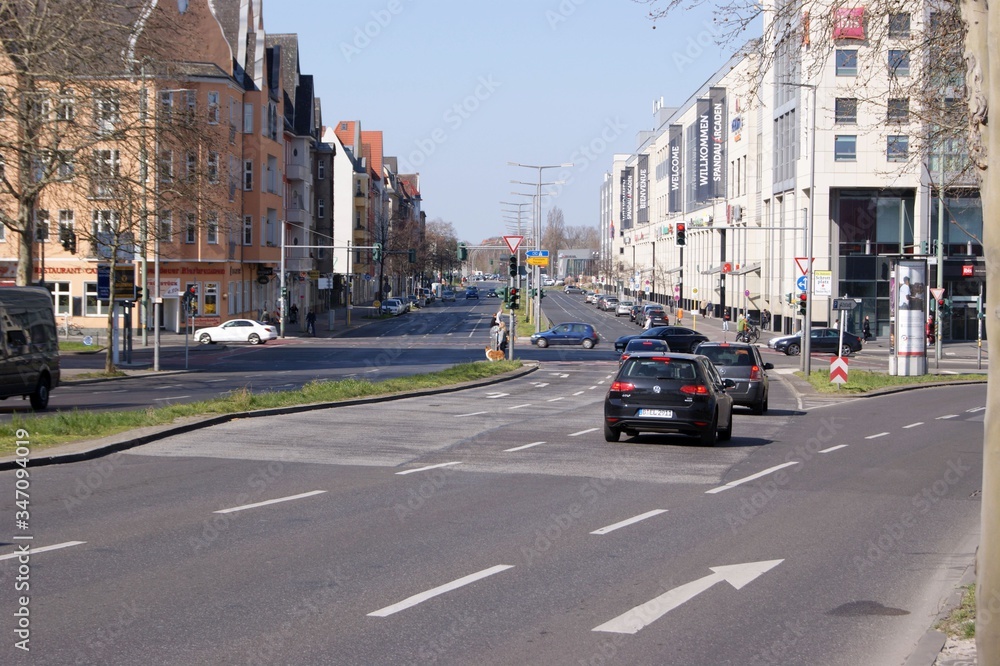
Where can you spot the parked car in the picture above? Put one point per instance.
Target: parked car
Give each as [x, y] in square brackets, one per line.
[591, 297]
[573, 289]
[573, 333]
[609, 304]
[634, 312]
[623, 308]
[820, 340]
[548, 282]
[650, 310]
[472, 292]
[643, 344]
[669, 393]
[29, 345]
[392, 306]
[447, 295]
[741, 362]
[679, 338]
[237, 330]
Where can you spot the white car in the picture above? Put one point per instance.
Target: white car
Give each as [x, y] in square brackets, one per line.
[237, 330]
[624, 308]
[393, 306]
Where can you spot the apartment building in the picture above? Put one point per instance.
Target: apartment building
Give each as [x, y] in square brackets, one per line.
[821, 145]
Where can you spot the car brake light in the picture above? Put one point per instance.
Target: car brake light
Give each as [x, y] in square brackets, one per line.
[755, 372]
[662, 359]
[695, 389]
[622, 387]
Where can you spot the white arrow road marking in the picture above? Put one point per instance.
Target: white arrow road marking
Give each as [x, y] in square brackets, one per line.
[35, 551]
[447, 587]
[271, 501]
[834, 448]
[737, 575]
[629, 521]
[525, 446]
[582, 432]
[914, 425]
[540, 384]
[424, 469]
[745, 479]
[493, 396]
[877, 435]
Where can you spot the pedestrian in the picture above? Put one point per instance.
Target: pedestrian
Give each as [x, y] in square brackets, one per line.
[866, 329]
[725, 320]
[741, 327]
[503, 338]
[311, 323]
[765, 319]
[495, 334]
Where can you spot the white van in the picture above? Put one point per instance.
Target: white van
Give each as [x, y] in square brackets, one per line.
[29, 345]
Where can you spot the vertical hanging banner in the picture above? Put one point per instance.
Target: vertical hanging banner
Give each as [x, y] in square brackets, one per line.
[642, 190]
[717, 97]
[676, 168]
[627, 186]
[703, 150]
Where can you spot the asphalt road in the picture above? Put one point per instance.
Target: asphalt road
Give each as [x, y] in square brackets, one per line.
[495, 526]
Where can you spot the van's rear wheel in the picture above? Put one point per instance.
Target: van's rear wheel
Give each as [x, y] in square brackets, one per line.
[40, 397]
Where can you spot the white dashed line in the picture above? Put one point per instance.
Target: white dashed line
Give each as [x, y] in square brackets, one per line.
[877, 435]
[521, 448]
[43, 549]
[733, 484]
[834, 448]
[578, 393]
[527, 404]
[555, 399]
[271, 501]
[447, 587]
[975, 409]
[947, 416]
[583, 432]
[458, 416]
[424, 469]
[176, 397]
[629, 521]
[914, 425]
[592, 388]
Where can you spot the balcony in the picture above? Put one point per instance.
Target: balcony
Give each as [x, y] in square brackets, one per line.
[298, 216]
[298, 259]
[297, 172]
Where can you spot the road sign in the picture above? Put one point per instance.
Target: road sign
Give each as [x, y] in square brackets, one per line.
[536, 253]
[844, 304]
[513, 242]
[746, 293]
[538, 261]
[838, 370]
[677, 288]
[802, 283]
[822, 283]
[937, 293]
[727, 267]
[803, 263]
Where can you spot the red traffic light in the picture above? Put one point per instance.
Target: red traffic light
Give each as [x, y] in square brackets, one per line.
[802, 296]
[940, 302]
[681, 226]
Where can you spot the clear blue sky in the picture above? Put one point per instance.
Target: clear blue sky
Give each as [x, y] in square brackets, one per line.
[459, 89]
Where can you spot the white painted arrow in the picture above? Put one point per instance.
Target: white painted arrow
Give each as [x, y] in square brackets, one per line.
[496, 395]
[737, 575]
[540, 384]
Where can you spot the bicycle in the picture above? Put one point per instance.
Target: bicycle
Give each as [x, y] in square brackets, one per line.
[750, 335]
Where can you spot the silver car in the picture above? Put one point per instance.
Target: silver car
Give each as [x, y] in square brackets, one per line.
[624, 308]
[742, 363]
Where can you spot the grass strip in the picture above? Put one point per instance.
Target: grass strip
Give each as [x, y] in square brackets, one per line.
[863, 381]
[48, 430]
[961, 622]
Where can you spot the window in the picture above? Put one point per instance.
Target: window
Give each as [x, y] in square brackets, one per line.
[166, 229]
[897, 148]
[4, 101]
[107, 111]
[248, 118]
[94, 307]
[845, 147]
[212, 231]
[343, 127]
[213, 167]
[847, 62]
[191, 230]
[166, 106]
[213, 107]
[190, 104]
[103, 224]
[898, 110]
[65, 223]
[66, 107]
[846, 111]
[248, 229]
[271, 180]
[321, 170]
[190, 166]
[899, 62]
[248, 175]
[42, 226]
[321, 208]
[106, 172]
[166, 166]
[211, 298]
[60, 297]
[65, 168]
[899, 26]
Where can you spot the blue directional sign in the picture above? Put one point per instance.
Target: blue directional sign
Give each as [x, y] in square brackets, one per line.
[536, 253]
[801, 284]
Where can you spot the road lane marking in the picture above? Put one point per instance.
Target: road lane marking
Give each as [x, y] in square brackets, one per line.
[176, 397]
[424, 469]
[521, 448]
[457, 416]
[35, 551]
[527, 404]
[877, 435]
[834, 448]
[271, 501]
[629, 521]
[592, 387]
[555, 399]
[913, 425]
[975, 409]
[447, 587]
[947, 416]
[737, 482]
[578, 393]
[213, 381]
[583, 432]
[495, 395]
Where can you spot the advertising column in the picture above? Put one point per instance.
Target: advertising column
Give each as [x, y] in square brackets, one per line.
[909, 299]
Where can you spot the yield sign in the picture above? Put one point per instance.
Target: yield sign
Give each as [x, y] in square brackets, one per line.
[838, 370]
[937, 293]
[513, 242]
[803, 263]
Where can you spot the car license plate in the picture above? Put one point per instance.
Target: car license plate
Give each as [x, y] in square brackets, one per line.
[657, 413]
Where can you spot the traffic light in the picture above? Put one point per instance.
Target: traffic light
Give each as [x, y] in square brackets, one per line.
[72, 243]
[502, 293]
[680, 234]
[803, 297]
[512, 265]
[64, 233]
[463, 252]
[377, 252]
[139, 295]
[515, 298]
[190, 298]
[412, 256]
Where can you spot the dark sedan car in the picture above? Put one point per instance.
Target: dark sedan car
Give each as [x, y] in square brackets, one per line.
[742, 363]
[573, 333]
[643, 345]
[679, 338]
[669, 393]
[820, 340]
[472, 292]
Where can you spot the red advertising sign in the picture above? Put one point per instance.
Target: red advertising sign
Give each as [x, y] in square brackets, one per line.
[849, 23]
[967, 270]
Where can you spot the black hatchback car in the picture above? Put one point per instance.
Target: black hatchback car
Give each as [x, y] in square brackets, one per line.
[678, 337]
[669, 393]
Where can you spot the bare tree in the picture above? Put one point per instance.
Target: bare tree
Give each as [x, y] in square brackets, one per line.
[554, 235]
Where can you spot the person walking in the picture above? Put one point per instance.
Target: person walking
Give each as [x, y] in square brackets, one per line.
[725, 319]
[866, 329]
[741, 328]
[311, 323]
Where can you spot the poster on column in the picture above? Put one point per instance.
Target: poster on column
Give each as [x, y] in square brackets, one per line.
[911, 307]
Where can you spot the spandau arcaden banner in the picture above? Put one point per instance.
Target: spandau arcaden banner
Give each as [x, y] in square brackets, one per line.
[626, 198]
[676, 168]
[703, 151]
[717, 99]
[642, 190]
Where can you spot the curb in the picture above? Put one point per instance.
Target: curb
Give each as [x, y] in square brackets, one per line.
[100, 450]
[928, 648]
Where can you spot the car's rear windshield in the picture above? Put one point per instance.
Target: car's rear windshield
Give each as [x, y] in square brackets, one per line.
[727, 355]
[647, 345]
[659, 368]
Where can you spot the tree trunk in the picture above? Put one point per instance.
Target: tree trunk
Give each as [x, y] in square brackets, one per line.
[25, 247]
